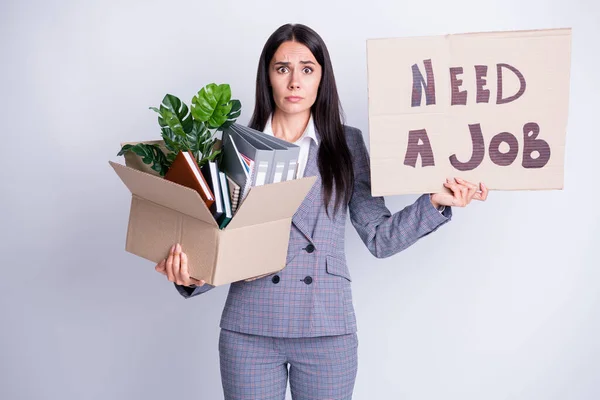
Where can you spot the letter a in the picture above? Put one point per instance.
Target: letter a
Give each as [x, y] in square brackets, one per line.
[415, 148]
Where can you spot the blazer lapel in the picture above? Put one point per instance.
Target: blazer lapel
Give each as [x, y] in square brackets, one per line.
[300, 218]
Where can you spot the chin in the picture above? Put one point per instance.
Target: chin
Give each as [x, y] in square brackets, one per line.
[294, 108]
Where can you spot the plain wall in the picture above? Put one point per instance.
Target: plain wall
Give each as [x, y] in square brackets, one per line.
[501, 303]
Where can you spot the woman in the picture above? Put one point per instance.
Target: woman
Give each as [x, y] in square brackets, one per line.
[303, 316]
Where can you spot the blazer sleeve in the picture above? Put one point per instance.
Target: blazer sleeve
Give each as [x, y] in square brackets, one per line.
[384, 233]
[187, 291]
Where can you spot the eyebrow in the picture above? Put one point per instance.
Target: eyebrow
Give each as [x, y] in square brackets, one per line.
[287, 63]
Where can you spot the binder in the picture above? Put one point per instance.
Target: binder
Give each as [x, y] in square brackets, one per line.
[291, 156]
[277, 171]
[234, 165]
[255, 150]
[185, 171]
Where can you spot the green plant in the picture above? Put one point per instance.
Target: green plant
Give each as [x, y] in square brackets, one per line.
[195, 129]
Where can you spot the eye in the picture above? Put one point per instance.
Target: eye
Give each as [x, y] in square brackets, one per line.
[282, 70]
[307, 70]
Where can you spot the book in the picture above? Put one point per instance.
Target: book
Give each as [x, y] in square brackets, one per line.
[234, 194]
[185, 171]
[211, 172]
[227, 214]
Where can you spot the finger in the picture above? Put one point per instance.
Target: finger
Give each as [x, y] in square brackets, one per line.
[197, 282]
[481, 196]
[484, 192]
[170, 274]
[464, 190]
[471, 188]
[466, 183]
[471, 192]
[177, 264]
[463, 196]
[184, 273]
[450, 198]
[458, 199]
[161, 267]
[452, 185]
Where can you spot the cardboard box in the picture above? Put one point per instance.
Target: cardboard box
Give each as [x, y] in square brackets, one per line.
[255, 241]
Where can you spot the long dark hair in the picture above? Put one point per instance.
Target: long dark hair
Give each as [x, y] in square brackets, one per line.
[334, 159]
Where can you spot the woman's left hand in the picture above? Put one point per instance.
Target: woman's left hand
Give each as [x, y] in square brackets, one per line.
[462, 193]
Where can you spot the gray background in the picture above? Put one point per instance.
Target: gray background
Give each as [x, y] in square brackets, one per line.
[502, 303]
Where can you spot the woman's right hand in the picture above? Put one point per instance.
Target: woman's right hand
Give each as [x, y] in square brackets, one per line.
[175, 268]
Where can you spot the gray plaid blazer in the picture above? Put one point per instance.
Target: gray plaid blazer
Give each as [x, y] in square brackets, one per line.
[311, 296]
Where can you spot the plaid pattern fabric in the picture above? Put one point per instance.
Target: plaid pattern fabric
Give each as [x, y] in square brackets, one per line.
[256, 367]
[311, 296]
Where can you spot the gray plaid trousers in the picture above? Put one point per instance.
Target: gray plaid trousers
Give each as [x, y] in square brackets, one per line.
[256, 367]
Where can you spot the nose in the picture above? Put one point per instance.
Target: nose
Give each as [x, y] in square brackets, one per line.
[294, 84]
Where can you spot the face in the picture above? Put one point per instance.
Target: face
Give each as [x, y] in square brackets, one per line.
[295, 75]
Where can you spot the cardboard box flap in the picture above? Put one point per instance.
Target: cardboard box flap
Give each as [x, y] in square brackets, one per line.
[271, 202]
[161, 191]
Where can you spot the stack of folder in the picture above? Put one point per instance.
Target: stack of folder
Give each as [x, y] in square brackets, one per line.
[253, 158]
[249, 158]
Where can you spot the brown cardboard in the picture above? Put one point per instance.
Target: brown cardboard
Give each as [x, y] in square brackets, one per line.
[464, 71]
[133, 161]
[254, 242]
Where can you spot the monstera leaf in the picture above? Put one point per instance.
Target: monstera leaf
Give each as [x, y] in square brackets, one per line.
[197, 136]
[234, 113]
[212, 155]
[173, 142]
[150, 154]
[212, 104]
[174, 113]
[193, 128]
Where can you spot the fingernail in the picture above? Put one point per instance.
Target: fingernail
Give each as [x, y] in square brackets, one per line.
[178, 247]
[172, 248]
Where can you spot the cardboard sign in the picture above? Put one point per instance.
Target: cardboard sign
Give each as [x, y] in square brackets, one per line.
[486, 107]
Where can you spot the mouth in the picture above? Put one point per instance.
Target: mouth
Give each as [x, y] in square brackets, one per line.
[294, 99]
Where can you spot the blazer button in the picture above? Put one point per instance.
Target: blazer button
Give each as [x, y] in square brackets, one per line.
[275, 279]
[310, 248]
[308, 280]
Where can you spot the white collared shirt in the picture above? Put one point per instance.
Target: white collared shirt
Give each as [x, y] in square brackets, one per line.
[304, 143]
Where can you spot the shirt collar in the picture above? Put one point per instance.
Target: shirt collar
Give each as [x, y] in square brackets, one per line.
[309, 132]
